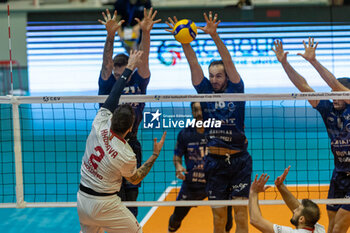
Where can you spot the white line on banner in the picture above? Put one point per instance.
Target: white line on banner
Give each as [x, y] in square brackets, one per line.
[180, 98]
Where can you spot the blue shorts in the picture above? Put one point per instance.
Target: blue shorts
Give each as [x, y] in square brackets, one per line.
[227, 178]
[339, 188]
[189, 193]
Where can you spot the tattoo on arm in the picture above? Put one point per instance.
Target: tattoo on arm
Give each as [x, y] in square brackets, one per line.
[107, 64]
[142, 171]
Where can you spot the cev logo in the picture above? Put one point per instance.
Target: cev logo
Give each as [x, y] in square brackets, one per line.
[51, 98]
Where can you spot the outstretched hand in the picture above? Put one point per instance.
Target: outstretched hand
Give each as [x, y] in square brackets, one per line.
[212, 23]
[258, 185]
[279, 180]
[310, 49]
[280, 54]
[171, 23]
[110, 22]
[134, 59]
[148, 21]
[157, 146]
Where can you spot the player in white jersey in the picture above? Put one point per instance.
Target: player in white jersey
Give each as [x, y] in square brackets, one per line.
[107, 159]
[305, 214]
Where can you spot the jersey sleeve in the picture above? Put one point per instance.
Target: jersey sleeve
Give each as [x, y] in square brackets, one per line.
[128, 168]
[235, 87]
[204, 87]
[102, 117]
[180, 147]
[282, 229]
[105, 86]
[126, 163]
[324, 107]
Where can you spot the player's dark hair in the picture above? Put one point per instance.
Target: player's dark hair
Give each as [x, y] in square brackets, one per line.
[345, 81]
[311, 212]
[120, 60]
[215, 63]
[122, 119]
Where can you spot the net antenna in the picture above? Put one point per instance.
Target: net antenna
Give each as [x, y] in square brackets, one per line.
[9, 27]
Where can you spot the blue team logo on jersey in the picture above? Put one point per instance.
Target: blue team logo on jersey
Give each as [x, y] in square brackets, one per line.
[151, 119]
[347, 127]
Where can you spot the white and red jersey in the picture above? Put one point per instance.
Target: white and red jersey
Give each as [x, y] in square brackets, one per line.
[107, 157]
[281, 229]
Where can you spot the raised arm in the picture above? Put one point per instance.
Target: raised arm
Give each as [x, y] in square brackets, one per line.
[327, 76]
[256, 218]
[287, 196]
[112, 27]
[196, 70]
[211, 29]
[112, 100]
[298, 80]
[142, 171]
[146, 26]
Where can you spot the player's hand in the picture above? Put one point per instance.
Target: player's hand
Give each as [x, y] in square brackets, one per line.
[258, 185]
[212, 23]
[157, 146]
[110, 22]
[280, 54]
[310, 49]
[279, 180]
[134, 59]
[180, 170]
[148, 21]
[171, 23]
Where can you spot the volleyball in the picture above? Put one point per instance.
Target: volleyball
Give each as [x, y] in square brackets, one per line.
[185, 31]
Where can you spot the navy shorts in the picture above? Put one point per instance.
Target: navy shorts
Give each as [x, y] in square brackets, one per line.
[339, 188]
[189, 193]
[227, 178]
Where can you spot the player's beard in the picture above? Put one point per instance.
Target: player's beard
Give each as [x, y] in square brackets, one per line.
[294, 221]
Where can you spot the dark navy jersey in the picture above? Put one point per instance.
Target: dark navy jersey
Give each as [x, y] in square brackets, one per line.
[338, 129]
[136, 86]
[192, 145]
[231, 113]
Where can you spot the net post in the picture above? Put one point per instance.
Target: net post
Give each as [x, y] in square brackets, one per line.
[18, 153]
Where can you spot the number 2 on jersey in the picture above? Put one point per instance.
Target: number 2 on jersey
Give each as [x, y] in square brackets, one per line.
[93, 157]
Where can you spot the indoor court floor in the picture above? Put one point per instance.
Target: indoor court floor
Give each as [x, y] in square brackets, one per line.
[199, 219]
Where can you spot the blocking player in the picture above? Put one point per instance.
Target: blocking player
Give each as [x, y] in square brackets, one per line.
[191, 143]
[228, 165]
[136, 84]
[305, 214]
[336, 119]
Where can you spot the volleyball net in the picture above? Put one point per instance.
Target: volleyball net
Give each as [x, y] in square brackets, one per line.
[42, 142]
